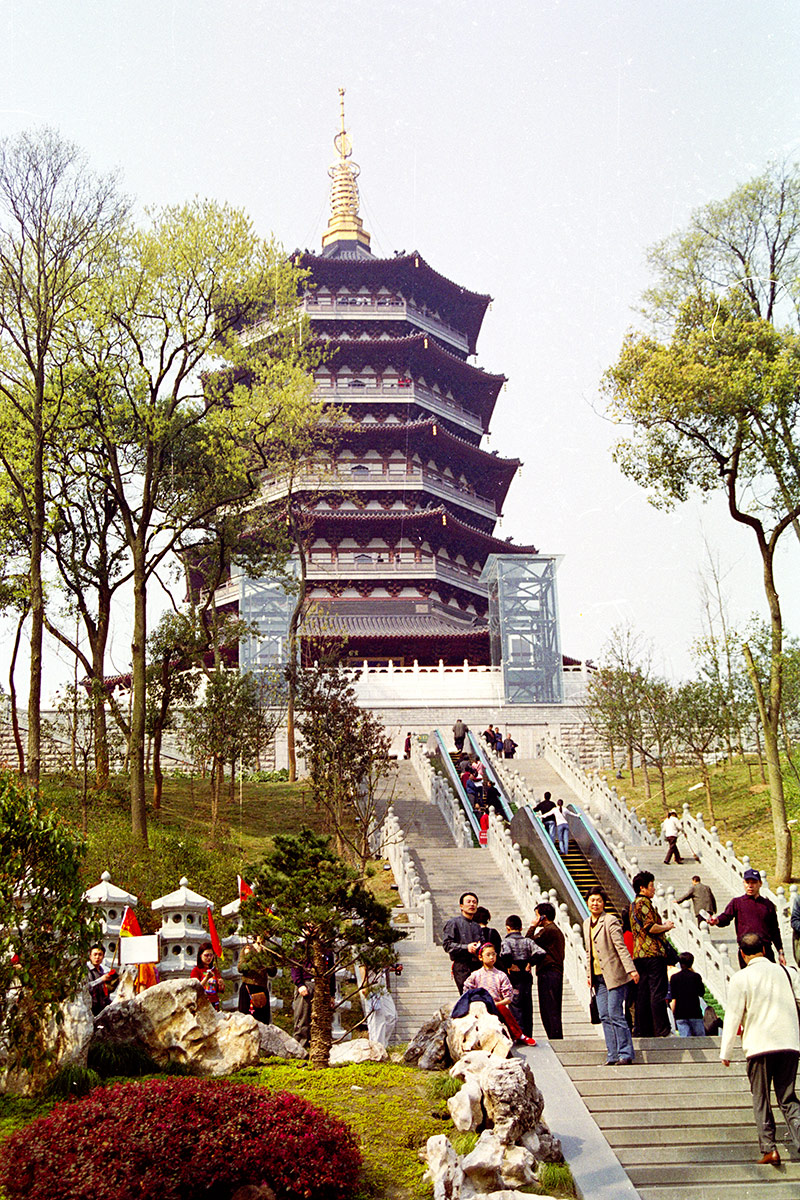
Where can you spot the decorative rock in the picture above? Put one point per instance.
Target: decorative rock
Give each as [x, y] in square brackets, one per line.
[518, 1166]
[473, 1062]
[478, 1030]
[465, 1107]
[483, 1164]
[549, 1146]
[276, 1043]
[419, 1043]
[175, 1022]
[357, 1051]
[435, 1056]
[66, 1043]
[444, 1169]
[512, 1101]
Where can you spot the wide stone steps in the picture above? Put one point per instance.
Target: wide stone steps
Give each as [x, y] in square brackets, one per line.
[680, 1123]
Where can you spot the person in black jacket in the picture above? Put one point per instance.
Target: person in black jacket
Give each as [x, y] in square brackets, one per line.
[462, 937]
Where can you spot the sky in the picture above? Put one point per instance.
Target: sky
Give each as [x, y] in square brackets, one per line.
[530, 149]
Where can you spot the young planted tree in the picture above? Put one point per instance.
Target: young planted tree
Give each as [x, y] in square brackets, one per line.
[712, 397]
[45, 925]
[174, 649]
[57, 221]
[233, 722]
[701, 721]
[346, 752]
[310, 908]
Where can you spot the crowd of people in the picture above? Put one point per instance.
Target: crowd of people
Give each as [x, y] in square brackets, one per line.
[632, 990]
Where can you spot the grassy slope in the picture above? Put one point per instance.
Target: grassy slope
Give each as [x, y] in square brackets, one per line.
[741, 806]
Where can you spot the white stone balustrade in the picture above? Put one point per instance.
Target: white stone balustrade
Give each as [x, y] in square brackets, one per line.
[716, 962]
[528, 893]
[436, 788]
[600, 801]
[417, 903]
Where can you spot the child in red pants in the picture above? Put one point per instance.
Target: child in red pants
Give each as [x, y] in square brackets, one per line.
[498, 985]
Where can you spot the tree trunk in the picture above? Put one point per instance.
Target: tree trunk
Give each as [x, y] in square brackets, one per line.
[158, 774]
[12, 692]
[321, 1011]
[138, 707]
[35, 686]
[216, 791]
[759, 753]
[648, 791]
[769, 711]
[630, 764]
[707, 785]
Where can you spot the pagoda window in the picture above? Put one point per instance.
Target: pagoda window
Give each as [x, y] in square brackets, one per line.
[362, 560]
[359, 469]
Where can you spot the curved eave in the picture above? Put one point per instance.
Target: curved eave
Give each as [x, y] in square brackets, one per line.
[432, 517]
[412, 276]
[434, 435]
[423, 352]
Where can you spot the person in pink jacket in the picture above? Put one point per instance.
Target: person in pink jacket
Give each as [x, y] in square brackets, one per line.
[499, 987]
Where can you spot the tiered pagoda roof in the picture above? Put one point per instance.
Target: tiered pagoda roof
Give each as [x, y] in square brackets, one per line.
[407, 274]
[421, 354]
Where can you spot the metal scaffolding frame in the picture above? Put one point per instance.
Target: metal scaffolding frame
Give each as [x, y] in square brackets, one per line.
[524, 633]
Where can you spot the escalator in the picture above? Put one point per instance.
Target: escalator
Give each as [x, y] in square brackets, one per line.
[588, 864]
[443, 755]
[506, 809]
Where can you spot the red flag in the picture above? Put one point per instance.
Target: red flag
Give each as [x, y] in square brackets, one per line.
[129, 926]
[213, 936]
[244, 888]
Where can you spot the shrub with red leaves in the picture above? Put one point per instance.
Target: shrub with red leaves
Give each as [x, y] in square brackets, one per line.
[180, 1139]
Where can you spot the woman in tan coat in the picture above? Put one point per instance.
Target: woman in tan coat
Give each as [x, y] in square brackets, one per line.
[610, 968]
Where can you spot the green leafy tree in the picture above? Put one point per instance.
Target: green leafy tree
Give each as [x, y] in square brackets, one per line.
[346, 752]
[310, 908]
[174, 649]
[232, 722]
[712, 397]
[56, 224]
[45, 925]
[183, 401]
[699, 711]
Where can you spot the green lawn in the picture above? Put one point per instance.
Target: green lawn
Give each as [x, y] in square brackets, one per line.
[741, 806]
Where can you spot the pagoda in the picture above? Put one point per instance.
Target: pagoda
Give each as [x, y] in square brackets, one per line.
[402, 516]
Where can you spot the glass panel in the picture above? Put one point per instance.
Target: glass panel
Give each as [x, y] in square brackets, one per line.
[523, 626]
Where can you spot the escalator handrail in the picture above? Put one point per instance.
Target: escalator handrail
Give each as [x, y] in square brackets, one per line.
[456, 784]
[556, 863]
[488, 770]
[608, 858]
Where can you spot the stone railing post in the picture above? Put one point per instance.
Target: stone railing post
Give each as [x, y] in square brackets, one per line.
[417, 902]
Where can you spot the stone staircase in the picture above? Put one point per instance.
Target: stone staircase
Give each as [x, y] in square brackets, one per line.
[680, 1124]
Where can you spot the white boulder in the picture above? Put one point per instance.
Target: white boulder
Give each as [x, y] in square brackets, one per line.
[358, 1050]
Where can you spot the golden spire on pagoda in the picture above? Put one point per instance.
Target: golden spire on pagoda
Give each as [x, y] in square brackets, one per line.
[344, 224]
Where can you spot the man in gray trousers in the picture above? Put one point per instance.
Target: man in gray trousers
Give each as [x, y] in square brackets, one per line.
[761, 999]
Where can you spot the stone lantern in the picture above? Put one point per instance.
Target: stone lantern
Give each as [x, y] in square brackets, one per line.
[183, 929]
[233, 943]
[110, 902]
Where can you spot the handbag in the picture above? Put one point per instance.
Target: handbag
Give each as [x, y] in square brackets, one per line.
[711, 1022]
[258, 999]
[670, 953]
[594, 1015]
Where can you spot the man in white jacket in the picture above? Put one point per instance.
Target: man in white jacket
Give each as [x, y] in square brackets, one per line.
[762, 1000]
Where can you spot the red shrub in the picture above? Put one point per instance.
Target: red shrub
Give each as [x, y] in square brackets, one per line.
[180, 1139]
